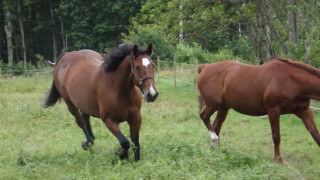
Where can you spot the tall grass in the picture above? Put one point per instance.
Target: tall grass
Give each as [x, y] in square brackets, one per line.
[39, 143]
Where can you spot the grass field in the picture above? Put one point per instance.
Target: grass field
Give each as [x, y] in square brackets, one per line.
[39, 143]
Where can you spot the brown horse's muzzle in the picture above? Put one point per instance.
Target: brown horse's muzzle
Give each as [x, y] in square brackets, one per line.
[150, 93]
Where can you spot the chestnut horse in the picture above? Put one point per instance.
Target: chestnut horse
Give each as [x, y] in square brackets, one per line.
[280, 86]
[106, 88]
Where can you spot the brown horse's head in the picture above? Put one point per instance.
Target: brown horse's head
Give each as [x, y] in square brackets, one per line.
[142, 69]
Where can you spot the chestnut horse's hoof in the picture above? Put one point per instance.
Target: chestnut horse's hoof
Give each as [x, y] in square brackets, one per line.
[215, 143]
[86, 145]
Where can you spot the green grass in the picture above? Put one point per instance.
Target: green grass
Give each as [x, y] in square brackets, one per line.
[39, 143]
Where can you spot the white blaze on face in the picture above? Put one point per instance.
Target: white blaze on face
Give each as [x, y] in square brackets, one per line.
[152, 91]
[213, 136]
[145, 62]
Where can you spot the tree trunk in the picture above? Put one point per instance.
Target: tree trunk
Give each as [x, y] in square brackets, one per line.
[307, 30]
[260, 34]
[62, 36]
[54, 42]
[181, 20]
[268, 14]
[292, 23]
[8, 29]
[22, 36]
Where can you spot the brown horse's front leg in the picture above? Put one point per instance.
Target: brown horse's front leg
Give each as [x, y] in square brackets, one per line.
[308, 119]
[274, 116]
[114, 128]
[135, 125]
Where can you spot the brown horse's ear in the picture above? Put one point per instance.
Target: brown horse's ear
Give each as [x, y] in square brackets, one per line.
[135, 50]
[149, 49]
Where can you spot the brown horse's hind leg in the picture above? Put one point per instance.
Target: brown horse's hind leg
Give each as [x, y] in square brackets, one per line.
[86, 119]
[135, 125]
[114, 128]
[81, 123]
[274, 116]
[308, 119]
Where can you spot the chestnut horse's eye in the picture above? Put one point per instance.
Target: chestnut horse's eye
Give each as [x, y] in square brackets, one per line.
[138, 68]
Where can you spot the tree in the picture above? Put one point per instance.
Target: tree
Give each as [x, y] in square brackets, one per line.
[22, 35]
[8, 29]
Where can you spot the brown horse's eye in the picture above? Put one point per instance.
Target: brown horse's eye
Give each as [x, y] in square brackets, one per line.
[138, 68]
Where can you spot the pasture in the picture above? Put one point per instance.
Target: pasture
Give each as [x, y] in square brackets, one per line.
[38, 143]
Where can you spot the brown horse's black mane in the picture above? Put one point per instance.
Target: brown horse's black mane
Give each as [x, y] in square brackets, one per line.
[300, 65]
[114, 59]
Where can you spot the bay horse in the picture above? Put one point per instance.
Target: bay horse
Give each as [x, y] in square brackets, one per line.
[280, 86]
[106, 88]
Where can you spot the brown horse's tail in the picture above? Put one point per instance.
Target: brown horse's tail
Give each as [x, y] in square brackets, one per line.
[52, 97]
[200, 68]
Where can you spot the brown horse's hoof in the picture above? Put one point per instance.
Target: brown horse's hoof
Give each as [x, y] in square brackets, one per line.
[86, 145]
[122, 154]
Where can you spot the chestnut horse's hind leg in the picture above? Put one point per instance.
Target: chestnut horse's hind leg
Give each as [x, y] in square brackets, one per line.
[274, 116]
[308, 119]
[114, 128]
[81, 123]
[220, 118]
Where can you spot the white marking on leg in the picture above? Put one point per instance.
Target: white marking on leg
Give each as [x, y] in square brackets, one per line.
[214, 136]
[152, 91]
[145, 62]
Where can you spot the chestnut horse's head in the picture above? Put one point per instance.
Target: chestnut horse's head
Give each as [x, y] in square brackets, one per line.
[142, 69]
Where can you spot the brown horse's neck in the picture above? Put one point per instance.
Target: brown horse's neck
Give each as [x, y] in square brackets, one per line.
[123, 75]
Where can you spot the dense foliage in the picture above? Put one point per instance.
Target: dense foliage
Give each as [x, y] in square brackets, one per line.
[253, 31]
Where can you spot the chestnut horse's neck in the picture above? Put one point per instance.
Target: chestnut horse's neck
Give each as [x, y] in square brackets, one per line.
[308, 78]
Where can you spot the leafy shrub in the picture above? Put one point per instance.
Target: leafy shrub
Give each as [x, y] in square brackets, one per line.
[242, 48]
[16, 69]
[162, 44]
[189, 54]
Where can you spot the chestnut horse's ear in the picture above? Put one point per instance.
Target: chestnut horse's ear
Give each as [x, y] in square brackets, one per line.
[135, 50]
[149, 49]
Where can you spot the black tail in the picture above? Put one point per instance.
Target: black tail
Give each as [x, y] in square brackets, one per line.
[53, 97]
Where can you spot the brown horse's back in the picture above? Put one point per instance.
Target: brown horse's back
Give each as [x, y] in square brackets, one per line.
[84, 63]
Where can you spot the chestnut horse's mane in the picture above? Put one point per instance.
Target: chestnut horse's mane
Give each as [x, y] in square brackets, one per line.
[300, 65]
[114, 59]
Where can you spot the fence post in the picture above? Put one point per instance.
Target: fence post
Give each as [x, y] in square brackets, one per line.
[197, 65]
[158, 68]
[175, 71]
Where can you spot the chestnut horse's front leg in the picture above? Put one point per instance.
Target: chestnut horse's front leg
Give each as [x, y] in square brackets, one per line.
[308, 119]
[114, 128]
[135, 124]
[274, 116]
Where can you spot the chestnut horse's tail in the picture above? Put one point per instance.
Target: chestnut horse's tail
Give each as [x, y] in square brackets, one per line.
[201, 104]
[200, 68]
